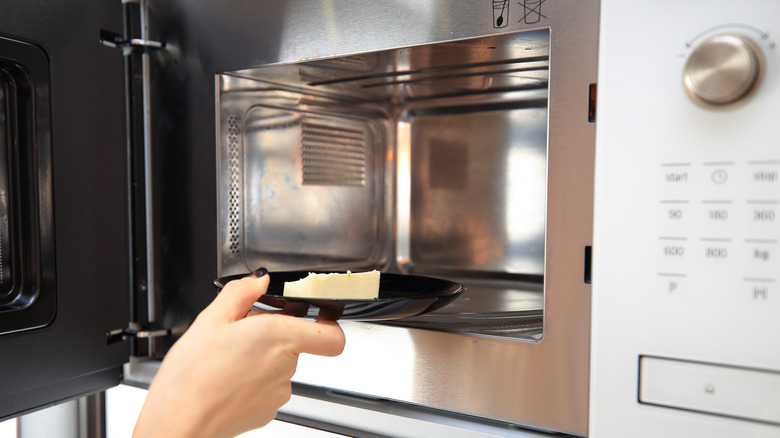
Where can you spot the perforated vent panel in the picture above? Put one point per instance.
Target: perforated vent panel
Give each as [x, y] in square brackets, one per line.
[333, 155]
[235, 184]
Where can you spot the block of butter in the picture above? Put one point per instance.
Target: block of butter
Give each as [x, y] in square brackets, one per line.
[358, 285]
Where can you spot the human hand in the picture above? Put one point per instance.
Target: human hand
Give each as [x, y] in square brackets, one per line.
[229, 373]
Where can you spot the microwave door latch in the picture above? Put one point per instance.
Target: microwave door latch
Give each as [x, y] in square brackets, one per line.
[135, 331]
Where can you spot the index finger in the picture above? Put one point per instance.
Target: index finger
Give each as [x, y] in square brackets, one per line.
[237, 297]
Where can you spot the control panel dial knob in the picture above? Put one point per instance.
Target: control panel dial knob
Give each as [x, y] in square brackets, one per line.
[722, 70]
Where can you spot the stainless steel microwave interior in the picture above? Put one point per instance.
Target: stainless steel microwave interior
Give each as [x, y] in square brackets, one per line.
[429, 159]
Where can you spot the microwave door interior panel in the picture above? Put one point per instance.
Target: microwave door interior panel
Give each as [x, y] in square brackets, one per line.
[107, 237]
[63, 219]
[82, 243]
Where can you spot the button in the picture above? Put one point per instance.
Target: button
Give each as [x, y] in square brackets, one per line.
[759, 293]
[672, 283]
[714, 389]
[759, 288]
[719, 176]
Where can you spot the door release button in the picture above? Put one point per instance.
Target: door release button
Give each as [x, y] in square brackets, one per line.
[714, 389]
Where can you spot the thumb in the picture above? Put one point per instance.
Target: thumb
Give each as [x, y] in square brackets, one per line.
[237, 297]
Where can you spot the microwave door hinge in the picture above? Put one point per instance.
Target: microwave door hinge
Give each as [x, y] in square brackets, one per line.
[139, 49]
[128, 46]
[137, 332]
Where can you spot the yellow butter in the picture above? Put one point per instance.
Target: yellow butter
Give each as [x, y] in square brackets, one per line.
[359, 285]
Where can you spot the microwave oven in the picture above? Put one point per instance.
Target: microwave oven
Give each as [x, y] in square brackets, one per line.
[575, 165]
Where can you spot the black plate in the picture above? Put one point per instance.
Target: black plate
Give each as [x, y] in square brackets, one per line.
[400, 296]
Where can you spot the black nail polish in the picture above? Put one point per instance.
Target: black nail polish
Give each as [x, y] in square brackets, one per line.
[259, 272]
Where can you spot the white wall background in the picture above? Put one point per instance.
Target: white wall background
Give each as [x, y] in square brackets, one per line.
[8, 429]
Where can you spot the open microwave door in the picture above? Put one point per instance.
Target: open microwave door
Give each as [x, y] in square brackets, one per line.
[64, 242]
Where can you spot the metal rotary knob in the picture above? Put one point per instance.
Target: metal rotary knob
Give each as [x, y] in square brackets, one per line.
[722, 70]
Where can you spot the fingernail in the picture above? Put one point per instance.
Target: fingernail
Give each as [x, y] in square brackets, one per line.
[259, 272]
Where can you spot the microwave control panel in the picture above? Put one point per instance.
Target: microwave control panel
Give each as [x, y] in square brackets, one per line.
[686, 280]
